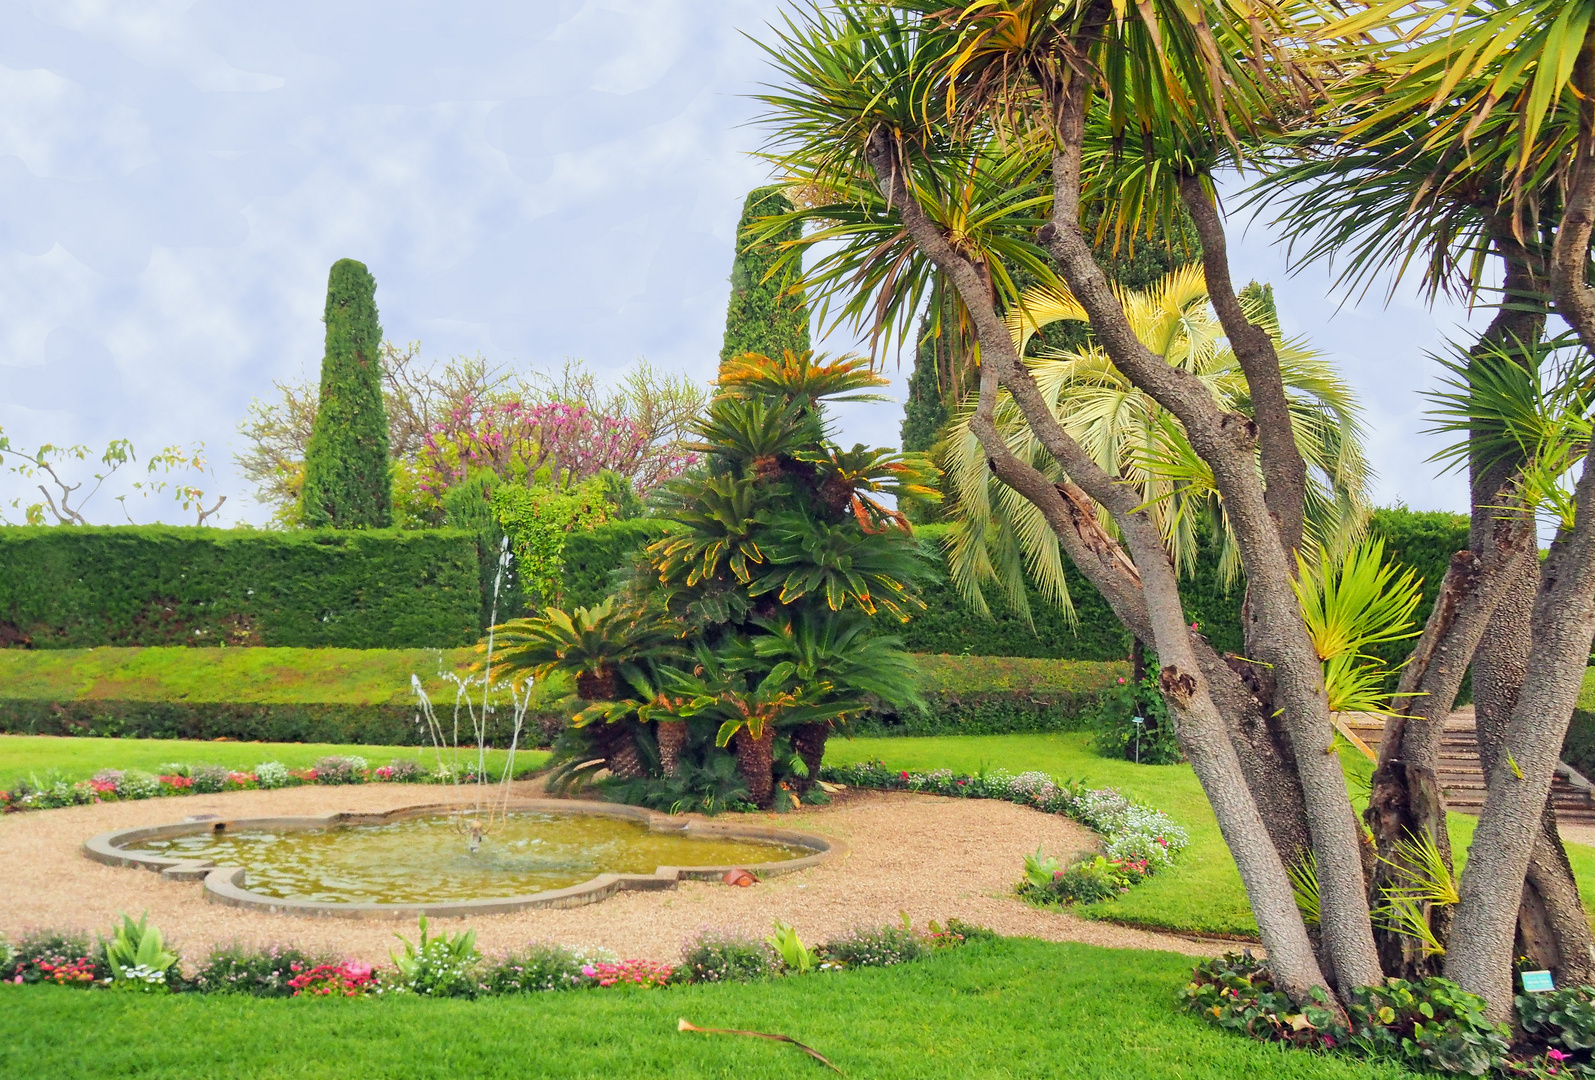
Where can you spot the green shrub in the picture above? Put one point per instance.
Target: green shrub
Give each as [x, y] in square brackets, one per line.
[538, 969]
[337, 769]
[1131, 722]
[234, 969]
[719, 956]
[170, 585]
[595, 557]
[442, 966]
[880, 946]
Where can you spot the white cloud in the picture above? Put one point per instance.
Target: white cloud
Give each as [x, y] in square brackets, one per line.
[528, 181]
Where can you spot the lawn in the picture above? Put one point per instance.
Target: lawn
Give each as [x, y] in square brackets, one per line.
[1203, 893]
[41, 757]
[1015, 1008]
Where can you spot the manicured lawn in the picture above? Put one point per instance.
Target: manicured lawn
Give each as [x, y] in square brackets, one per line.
[1010, 1009]
[327, 676]
[38, 757]
[1203, 893]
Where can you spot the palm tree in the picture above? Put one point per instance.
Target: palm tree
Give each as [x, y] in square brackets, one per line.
[1133, 438]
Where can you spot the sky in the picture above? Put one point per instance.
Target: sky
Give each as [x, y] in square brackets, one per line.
[526, 181]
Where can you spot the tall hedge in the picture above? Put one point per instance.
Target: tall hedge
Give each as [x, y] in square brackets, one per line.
[764, 316]
[1424, 541]
[169, 585]
[346, 460]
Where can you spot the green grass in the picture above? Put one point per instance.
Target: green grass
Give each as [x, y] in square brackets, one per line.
[382, 676]
[322, 676]
[38, 757]
[1203, 892]
[1009, 1009]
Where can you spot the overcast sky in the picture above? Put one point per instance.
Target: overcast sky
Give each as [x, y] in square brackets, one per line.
[528, 181]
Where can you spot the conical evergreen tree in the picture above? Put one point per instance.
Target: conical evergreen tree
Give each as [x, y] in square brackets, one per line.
[346, 460]
[925, 411]
[764, 317]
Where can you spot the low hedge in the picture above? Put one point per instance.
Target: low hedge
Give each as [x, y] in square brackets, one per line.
[167, 585]
[364, 696]
[986, 695]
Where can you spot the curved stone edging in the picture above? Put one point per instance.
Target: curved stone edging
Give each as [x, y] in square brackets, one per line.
[226, 884]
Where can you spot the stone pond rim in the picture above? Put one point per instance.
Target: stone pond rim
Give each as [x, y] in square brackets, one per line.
[226, 884]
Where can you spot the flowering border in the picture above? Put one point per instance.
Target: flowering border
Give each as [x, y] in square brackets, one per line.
[1132, 833]
[118, 785]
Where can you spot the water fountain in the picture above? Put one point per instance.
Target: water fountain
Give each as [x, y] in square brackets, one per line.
[516, 852]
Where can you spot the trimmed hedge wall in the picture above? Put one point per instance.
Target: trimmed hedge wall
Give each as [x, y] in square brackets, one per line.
[167, 585]
[1424, 541]
[594, 557]
[998, 695]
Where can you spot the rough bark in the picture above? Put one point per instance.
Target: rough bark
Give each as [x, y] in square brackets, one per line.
[755, 760]
[1552, 927]
[1227, 443]
[809, 742]
[1479, 954]
[672, 736]
[1284, 471]
[1144, 589]
[619, 750]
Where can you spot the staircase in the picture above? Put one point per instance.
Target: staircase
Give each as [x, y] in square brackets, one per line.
[1462, 777]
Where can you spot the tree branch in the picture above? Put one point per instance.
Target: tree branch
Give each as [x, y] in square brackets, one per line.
[1284, 471]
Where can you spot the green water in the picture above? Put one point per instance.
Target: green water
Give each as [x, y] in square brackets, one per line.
[428, 859]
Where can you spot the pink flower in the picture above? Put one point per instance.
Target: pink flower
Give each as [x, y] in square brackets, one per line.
[1121, 680]
[1557, 1055]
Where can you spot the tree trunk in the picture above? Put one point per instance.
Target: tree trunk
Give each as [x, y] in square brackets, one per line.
[672, 736]
[600, 685]
[756, 762]
[1552, 928]
[1479, 956]
[619, 749]
[809, 742]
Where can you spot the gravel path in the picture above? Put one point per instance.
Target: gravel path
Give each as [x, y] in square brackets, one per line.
[932, 857]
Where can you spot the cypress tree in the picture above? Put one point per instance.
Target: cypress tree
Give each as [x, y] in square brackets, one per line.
[925, 411]
[768, 317]
[346, 460]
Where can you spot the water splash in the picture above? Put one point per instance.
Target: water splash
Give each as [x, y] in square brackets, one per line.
[484, 800]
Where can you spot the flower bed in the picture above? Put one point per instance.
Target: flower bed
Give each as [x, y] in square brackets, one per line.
[449, 965]
[1138, 841]
[120, 785]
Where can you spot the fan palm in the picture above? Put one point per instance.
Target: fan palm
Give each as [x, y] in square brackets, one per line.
[1130, 436]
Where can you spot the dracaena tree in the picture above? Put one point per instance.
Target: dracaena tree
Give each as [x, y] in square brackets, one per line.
[965, 142]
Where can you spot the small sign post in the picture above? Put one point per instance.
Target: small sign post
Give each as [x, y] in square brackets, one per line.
[1537, 982]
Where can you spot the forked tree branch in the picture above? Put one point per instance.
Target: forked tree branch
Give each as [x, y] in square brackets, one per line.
[1200, 726]
[1284, 470]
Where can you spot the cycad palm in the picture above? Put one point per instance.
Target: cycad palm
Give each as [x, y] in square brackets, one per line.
[1001, 534]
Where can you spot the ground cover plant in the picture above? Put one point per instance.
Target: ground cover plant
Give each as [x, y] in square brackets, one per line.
[991, 1009]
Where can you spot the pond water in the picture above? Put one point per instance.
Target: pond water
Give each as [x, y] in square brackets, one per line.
[428, 859]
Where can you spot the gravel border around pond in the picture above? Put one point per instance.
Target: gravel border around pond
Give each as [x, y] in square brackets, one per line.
[932, 857]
